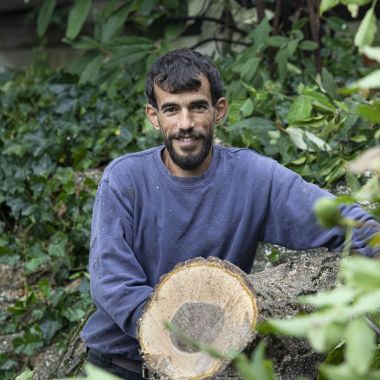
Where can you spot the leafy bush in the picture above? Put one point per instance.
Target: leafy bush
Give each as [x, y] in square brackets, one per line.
[59, 129]
[55, 138]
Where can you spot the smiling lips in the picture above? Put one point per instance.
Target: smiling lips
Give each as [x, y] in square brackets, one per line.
[186, 141]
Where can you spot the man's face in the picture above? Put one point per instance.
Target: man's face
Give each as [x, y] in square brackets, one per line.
[187, 121]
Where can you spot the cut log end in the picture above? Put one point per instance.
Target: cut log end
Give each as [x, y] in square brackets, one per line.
[210, 302]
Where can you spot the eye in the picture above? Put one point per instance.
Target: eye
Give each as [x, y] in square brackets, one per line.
[200, 107]
[169, 110]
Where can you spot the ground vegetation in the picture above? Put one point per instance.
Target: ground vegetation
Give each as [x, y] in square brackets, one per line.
[303, 89]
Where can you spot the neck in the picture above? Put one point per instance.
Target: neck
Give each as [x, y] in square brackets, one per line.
[177, 171]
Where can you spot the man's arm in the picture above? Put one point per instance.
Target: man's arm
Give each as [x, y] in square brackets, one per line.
[118, 283]
[291, 221]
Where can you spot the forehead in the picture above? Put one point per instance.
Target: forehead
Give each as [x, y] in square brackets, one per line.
[184, 97]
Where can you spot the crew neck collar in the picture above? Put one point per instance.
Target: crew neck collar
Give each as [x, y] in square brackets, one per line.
[187, 182]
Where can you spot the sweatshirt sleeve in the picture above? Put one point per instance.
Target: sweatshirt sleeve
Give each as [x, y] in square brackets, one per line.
[291, 221]
[118, 282]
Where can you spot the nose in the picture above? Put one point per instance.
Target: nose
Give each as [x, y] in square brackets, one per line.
[185, 121]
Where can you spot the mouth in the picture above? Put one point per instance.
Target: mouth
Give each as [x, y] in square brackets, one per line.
[186, 141]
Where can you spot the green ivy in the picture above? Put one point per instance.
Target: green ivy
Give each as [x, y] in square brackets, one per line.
[59, 129]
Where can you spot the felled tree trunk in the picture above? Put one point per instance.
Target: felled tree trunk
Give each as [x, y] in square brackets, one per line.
[275, 294]
[213, 303]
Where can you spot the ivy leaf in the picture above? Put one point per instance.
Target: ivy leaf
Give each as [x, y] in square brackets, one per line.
[77, 17]
[49, 328]
[370, 81]
[261, 33]
[370, 112]
[327, 4]
[358, 138]
[147, 6]
[367, 303]
[375, 241]
[116, 21]
[35, 263]
[328, 83]
[44, 16]
[299, 110]
[360, 346]
[57, 246]
[84, 42]
[91, 72]
[249, 68]
[324, 338]
[367, 30]
[26, 374]
[320, 101]
[29, 342]
[372, 52]
[361, 272]
[308, 45]
[328, 215]
[337, 296]
[277, 41]
[302, 139]
[95, 372]
[247, 108]
[300, 326]
[341, 372]
[258, 368]
[355, 2]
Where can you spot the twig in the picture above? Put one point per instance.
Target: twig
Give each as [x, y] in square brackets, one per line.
[277, 16]
[211, 19]
[4, 217]
[216, 39]
[314, 27]
[260, 6]
[373, 325]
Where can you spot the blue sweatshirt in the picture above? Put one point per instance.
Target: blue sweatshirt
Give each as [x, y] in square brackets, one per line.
[145, 221]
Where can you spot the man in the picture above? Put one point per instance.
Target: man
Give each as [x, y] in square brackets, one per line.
[185, 199]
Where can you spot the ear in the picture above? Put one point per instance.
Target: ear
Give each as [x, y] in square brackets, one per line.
[221, 108]
[152, 115]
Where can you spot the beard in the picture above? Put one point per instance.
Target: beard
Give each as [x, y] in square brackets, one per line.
[189, 161]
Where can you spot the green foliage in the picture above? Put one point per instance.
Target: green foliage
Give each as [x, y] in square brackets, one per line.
[77, 17]
[346, 321]
[52, 133]
[257, 368]
[345, 314]
[327, 212]
[44, 16]
[95, 373]
[58, 129]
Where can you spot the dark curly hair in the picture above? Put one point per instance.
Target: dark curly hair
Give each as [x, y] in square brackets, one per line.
[179, 71]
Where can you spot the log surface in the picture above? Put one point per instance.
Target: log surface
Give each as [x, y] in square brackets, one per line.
[210, 301]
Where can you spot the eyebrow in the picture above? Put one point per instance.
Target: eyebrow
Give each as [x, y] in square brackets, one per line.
[200, 102]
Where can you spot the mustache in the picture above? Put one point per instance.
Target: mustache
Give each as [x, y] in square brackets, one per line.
[183, 135]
